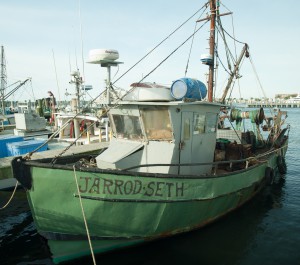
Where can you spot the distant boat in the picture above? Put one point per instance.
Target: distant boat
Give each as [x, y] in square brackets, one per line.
[170, 167]
[7, 122]
[295, 99]
[72, 122]
[23, 137]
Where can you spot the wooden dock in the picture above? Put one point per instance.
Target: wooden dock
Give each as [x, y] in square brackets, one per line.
[8, 182]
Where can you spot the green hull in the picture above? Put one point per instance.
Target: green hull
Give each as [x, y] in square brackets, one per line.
[70, 250]
[124, 208]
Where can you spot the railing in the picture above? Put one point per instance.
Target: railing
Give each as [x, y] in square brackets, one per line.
[255, 159]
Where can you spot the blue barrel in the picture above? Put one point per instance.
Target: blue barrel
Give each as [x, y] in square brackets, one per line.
[188, 88]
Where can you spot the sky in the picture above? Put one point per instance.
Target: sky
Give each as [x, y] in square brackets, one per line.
[46, 40]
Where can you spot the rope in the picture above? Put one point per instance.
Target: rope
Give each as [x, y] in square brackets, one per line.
[11, 197]
[130, 90]
[236, 79]
[233, 33]
[32, 89]
[231, 90]
[188, 61]
[171, 53]
[258, 80]
[233, 37]
[227, 50]
[192, 36]
[219, 59]
[28, 156]
[84, 218]
[71, 144]
[57, 84]
[205, 5]
[92, 101]
[235, 131]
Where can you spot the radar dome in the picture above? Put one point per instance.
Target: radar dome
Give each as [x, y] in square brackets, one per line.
[97, 55]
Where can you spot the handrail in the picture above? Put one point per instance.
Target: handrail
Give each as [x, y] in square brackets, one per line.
[247, 160]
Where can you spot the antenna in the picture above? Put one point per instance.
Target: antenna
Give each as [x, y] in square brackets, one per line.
[70, 69]
[56, 76]
[83, 74]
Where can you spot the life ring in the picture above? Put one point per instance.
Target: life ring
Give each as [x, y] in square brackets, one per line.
[281, 165]
[269, 175]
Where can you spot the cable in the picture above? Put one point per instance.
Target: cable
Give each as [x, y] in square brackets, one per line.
[256, 75]
[187, 64]
[159, 44]
[171, 53]
[56, 75]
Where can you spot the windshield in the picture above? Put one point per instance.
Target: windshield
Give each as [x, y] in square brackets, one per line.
[128, 127]
[157, 123]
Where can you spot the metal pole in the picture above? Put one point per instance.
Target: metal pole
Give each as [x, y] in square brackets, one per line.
[108, 84]
[234, 72]
[3, 80]
[77, 80]
[212, 49]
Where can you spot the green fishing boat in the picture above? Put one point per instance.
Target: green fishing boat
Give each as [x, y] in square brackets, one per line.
[171, 166]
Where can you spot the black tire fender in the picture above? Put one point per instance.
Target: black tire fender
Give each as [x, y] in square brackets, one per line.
[269, 175]
[281, 164]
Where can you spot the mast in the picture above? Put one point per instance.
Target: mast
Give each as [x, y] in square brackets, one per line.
[213, 11]
[3, 80]
[77, 80]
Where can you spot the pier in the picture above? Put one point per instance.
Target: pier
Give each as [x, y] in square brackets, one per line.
[273, 105]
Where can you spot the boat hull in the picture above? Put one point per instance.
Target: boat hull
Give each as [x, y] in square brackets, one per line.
[136, 222]
[74, 249]
[127, 208]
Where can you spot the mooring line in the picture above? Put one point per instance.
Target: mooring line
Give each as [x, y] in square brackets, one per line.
[11, 197]
[84, 218]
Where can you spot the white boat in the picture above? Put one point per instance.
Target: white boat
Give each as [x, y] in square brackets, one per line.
[76, 124]
[294, 100]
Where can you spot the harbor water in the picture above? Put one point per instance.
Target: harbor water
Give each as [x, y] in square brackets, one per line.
[264, 231]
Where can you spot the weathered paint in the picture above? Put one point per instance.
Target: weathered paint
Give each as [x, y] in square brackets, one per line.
[122, 210]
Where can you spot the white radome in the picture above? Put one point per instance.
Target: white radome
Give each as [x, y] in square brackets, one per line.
[97, 55]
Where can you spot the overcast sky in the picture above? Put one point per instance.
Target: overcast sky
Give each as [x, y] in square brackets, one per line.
[45, 39]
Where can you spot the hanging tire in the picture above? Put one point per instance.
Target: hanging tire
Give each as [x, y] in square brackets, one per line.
[269, 175]
[281, 165]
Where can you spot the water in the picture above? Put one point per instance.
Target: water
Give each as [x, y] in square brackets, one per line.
[265, 231]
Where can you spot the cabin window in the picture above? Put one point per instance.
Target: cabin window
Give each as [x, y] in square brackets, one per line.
[211, 122]
[186, 129]
[157, 123]
[199, 123]
[127, 127]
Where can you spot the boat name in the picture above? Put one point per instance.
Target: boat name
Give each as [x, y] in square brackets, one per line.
[131, 187]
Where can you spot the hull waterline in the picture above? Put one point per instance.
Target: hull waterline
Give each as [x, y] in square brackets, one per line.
[125, 209]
